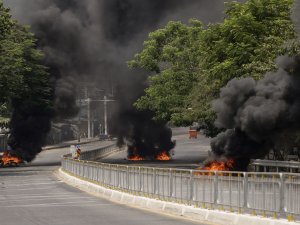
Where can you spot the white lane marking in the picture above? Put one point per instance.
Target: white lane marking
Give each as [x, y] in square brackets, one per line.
[40, 199]
[33, 195]
[8, 186]
[71, 205]
[26, 181]
[53, 204]
[12, 197]
[27, 189]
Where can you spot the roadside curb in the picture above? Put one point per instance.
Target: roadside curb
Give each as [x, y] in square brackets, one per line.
[190, 212]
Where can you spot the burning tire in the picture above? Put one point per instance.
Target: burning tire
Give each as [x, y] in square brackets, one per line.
[10, 160]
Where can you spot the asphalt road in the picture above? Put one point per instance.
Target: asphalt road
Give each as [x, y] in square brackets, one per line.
[32, 195]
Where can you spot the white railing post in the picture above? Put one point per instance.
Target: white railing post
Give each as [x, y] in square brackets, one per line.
[154, 182]
[216, 188]
[140, 180]
[245, 190]
[127, 178]
[170, 183]
[191, 182]
[281, 193]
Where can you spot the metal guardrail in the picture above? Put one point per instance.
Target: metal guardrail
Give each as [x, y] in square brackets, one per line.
[270, 194]
[3, 142]
[277, 165]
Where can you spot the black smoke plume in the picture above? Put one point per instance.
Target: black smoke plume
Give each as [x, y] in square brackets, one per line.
[143, 136]
[255, 113]
[29, 132]
[89, 41]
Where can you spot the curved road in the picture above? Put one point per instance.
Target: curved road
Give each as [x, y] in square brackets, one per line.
[32, 195]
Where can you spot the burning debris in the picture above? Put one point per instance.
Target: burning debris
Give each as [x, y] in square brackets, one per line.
[136, 158]
[10, 159]
[163, 156]
[145, 138]
[255, 113]
[226, 165]
[135, 155]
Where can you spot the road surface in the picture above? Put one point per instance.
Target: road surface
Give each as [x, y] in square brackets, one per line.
[32, 195]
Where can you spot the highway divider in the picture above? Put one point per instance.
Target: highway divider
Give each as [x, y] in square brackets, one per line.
[273, 195]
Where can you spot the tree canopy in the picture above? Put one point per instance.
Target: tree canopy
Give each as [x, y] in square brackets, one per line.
[172, 54]
[24, 81]
[189, 63]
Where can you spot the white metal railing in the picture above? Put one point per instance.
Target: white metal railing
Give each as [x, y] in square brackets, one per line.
[274, 164]
[270, 194]
[3, 142]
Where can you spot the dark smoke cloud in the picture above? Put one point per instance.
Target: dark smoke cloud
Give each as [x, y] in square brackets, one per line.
[254, 113]
[80, 38]
[29, 133]
[91, 40]
[65, 100]
[143, 136]
[30, 124]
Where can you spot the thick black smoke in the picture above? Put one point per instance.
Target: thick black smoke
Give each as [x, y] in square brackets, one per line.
[89, 41]
[29, 132]
[255, 113]
[143, 136]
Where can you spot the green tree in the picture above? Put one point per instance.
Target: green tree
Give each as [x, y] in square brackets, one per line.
[24, 81]
[246, 43]
[172, 55]
[6, 23]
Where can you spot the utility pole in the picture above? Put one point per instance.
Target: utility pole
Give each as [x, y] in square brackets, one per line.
[79, 119]
[105, 100]
[88, 100]
[105, 115]
[89, 117]
[92, 123]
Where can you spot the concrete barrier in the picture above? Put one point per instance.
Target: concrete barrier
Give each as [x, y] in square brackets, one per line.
[190, 212]
[155, 205]
[174, 209]
[140, 201]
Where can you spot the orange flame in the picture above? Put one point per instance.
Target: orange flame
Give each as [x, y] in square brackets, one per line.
[219, 166]
[163, 156]
[136, 158]
[11, 160]
[135, 155]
